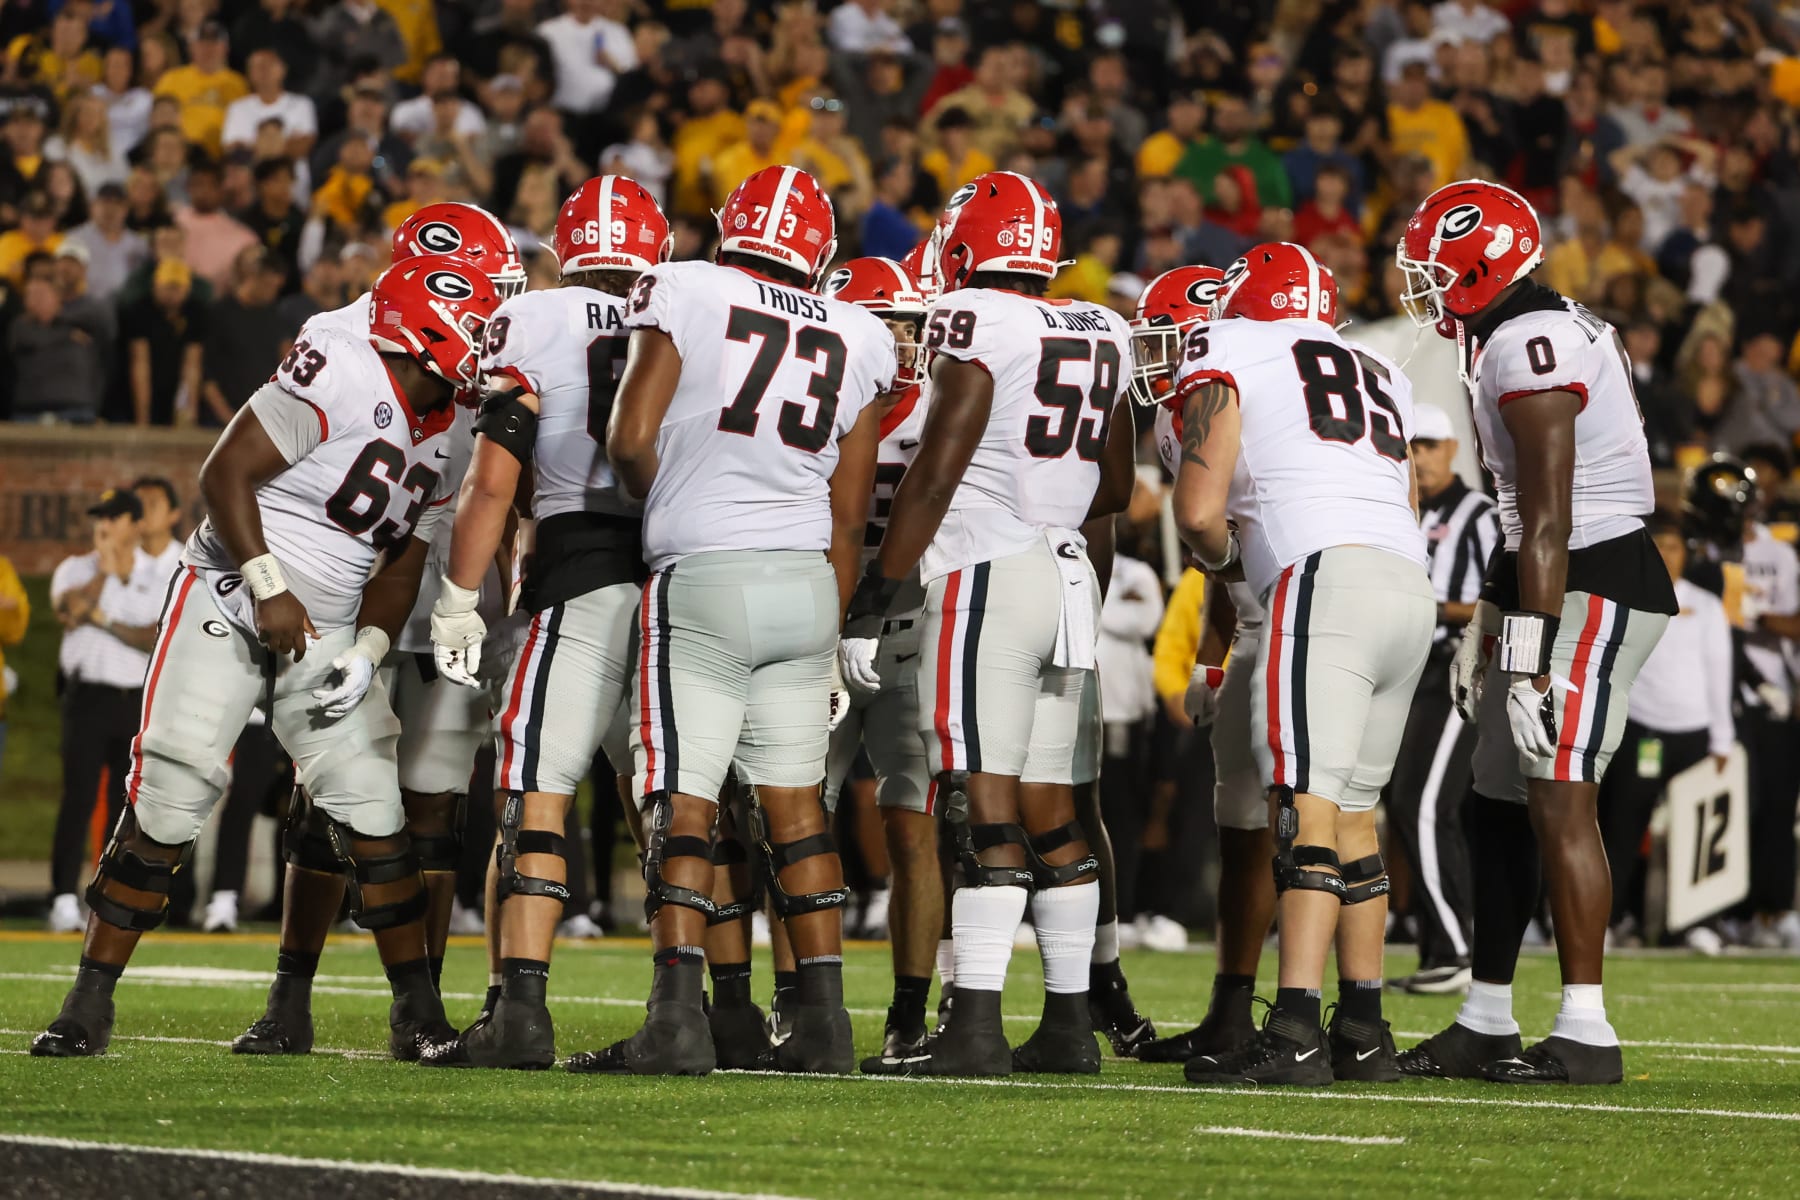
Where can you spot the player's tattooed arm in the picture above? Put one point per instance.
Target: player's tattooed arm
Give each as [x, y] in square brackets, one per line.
[962, 398]
[652, 370]
[1209, 450]
[1202, 405]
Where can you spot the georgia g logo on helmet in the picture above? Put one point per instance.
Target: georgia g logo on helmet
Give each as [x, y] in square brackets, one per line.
[837, 281]
[1200, 293]
[960, 197]
[448, 285]
[439, 237]
[1460, 221]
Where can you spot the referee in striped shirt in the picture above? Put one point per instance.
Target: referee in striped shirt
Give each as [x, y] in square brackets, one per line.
[1431, 776]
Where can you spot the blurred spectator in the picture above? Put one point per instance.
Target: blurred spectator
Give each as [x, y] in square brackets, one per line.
[956, 159]
[734, 164]
[269, 100]
[348, 198]
[1235, 203]
[365, 119]
[274, 218]
[349, 34]
[321, 288]
[711, 126]
[887, 232]
[590, 49]
[544, 154]
[1090, 276]
[205, 88]
[112, 249]
[1667, 420]
[1110, 81]
[949, 69]
[127, 102]
[1327, 213]
[56, 359]
[57, 57]
[85, 143]
[146, 207]
[276, 25]
[424, 185]
[244, 334]
[214, 236]
[645, 158]
[442, 81]
[164, 334]
[1766, 406]
[1322, 148]
[1234, 144]
[1129, 619]
[835, 158]
[864, 26]
[1200, 241]
[1654, 178]
[1418, 124]
[1184, 123]
[69, 271]
[876, 89]
[1642, 110]
[15, 615]
[503, 29]
[36, 232]
[997, 109]
[24, 154]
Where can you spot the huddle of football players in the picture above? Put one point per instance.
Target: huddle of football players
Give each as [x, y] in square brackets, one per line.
[756, 514]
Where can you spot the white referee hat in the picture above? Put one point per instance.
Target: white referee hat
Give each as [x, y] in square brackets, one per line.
[1431, 424]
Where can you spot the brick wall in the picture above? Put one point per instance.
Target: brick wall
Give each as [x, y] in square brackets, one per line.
[50, 474]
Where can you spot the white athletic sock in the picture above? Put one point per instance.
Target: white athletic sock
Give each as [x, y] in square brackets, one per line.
[1106, 943]
[946, 962]
[496, 978]
[1064, 918]
[983, 920]
[1488, 1009]
[1582, 1017]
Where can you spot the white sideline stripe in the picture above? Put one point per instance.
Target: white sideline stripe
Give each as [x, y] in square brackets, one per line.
[1728, 987]
[1396, 1097]
[373, 1168]
[1342, 1139]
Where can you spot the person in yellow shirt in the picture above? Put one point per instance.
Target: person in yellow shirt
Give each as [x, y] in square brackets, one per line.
[15, 615]
[1417, 124]
[1177, 644]
[58, 58]
[345, 192]
[835, 159]
[732, 165]
[957, 159]
[205, 87]
[36, 231]
[1157, 157]
[417, 21]
[1090, 276]
[424, 185]
[709, 129]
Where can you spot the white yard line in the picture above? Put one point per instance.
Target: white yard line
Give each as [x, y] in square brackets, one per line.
[370, 1168]
[1282, 1135]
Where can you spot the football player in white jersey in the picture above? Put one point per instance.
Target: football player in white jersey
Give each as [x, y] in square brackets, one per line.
[1570, 611]
[886, 723]
[442, 726]
[1218, 697]
[1028, 437]
[1294, 473]
[550, 367]
[745, 420]
[343, 459]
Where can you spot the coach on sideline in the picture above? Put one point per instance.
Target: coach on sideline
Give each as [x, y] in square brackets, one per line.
[108, 600]
[1431, 776]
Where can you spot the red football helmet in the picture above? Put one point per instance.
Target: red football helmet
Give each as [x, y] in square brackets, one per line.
[1465, 243]
[1002, 222]
[468, 232]
[887, 289]
[434, 308]
[1174, 303]
[921, 263]
[610, 223]
[783, 215]
[1277, 281]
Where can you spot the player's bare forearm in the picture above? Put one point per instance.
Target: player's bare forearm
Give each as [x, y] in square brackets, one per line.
[483, 509]
[388, 598]
[1787, 626]
[1098, 531]
[962, 398]
[242, 460]
[1218, 626]
[1451, 613]
[852, 481]
[652, 369]
[1118, 464]
[1209, 450]
[1543, 433]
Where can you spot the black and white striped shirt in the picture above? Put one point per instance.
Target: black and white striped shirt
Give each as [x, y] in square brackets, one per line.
[1462, 527]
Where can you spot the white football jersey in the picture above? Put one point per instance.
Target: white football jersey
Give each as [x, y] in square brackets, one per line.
[378, 475]
[1557, 345]
[900, 429]
[1322, 458]
[771, 378]
[1244, 600]
[351, 318]
[1059, 367]
[566, 346]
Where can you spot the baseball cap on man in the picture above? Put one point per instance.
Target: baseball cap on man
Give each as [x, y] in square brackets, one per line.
[117, 502]
[1432, 424]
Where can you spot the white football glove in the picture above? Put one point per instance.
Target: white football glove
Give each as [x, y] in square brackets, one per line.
[1532, 715]
[457, 631]
[1468, 670]
[856, 661]
[1202, 699]
[840, 699]
[357, 665]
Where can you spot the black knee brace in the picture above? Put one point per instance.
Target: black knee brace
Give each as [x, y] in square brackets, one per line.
[659, 847]
[1043, 874]
[778, 856]
[125, 866]
[391, 865]
[730, 852]
[1370, 876]
[308, 838]
[439, 851]
[515, 841]
[970, 840]
[1293, 863]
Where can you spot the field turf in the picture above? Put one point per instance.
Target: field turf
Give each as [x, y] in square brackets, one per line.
[1710, 1106]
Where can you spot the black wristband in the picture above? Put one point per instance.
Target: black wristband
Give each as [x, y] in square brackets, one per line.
[1526, 642]
[869, 603]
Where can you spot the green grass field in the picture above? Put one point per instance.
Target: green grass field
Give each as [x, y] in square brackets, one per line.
[1711, 1105]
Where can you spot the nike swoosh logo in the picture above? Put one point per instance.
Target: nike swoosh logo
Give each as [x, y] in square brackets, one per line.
[441, 454]
[900, 658]
[905, 445]
[1363, 1054]
[1520, 1061]
[1299, 1057]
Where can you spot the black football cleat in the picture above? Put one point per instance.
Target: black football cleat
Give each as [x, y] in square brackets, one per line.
[675, 1040]
[1286, 1051]
[1111, 1012]
[282, 1029]
[819, 1042]
[1445, 979]
[516, 1036]
[1361, 1051]
[740, 1036]
[1457, 1053]
[1058, 1050]
[970, 1043]
[416, 1024]
[1223, 1030]
[83, 1028]
[1559, 1060]
[897, 1045]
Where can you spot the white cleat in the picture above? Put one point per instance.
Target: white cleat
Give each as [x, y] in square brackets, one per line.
[1702, 940]
[466, 922]
[580, 928]
[66, 915]
[875, 916]
[1789, 929]
[221, 913]
[1157, 932]
[759, 930]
